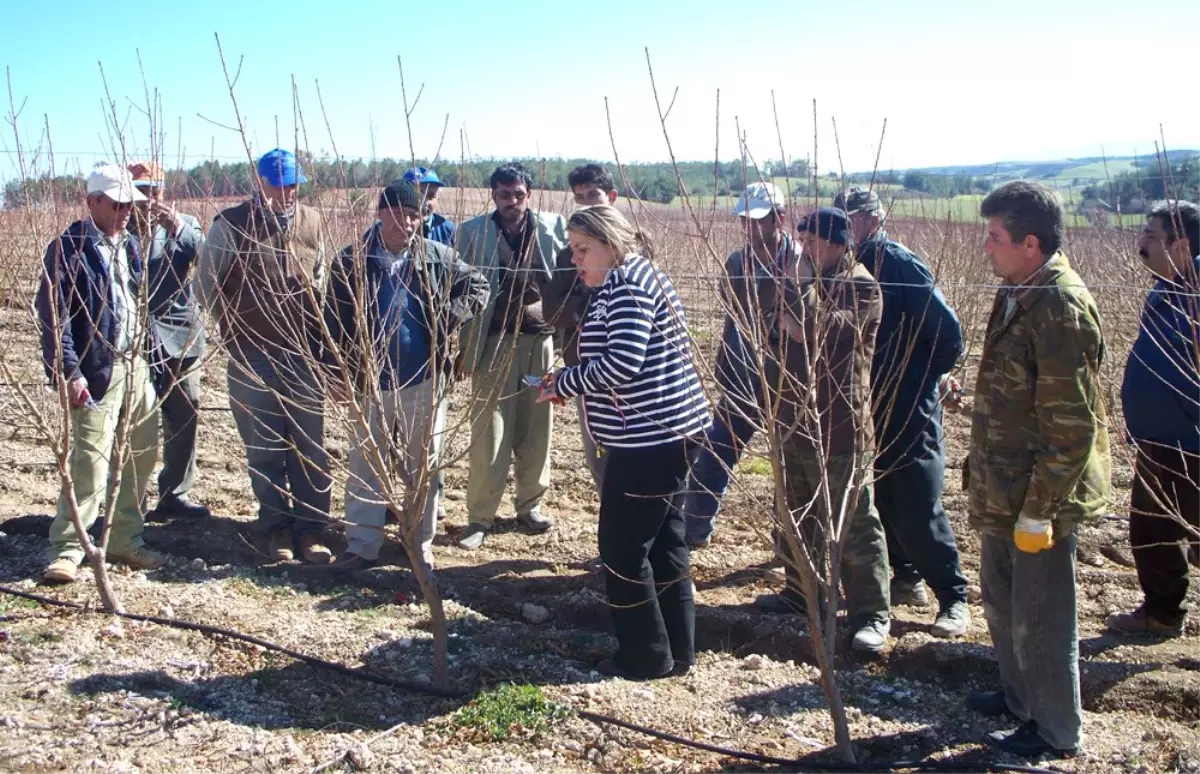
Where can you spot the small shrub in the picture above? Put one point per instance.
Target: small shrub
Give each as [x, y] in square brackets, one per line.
[496, 714]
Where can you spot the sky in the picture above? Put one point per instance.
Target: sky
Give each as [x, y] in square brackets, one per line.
[957, 82]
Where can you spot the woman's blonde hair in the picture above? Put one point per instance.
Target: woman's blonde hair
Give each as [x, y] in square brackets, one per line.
[606, 224]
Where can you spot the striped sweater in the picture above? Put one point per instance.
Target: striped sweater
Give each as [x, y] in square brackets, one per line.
[636, 376]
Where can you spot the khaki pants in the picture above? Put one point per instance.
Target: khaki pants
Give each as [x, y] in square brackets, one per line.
[93, 436]
[409, 412]
[509, 423]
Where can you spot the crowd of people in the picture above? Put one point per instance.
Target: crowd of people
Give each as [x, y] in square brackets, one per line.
[837, 346]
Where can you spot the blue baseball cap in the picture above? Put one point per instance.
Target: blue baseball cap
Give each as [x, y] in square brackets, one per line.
[280, 169]
[422, 175]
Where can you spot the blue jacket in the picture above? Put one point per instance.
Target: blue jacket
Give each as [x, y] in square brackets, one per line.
[920, 340]
[445, 290]
[1161, 389]
[437, 228]
[75, 311]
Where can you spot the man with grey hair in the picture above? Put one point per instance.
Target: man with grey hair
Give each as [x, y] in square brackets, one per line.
[766, 249]
[920, 341]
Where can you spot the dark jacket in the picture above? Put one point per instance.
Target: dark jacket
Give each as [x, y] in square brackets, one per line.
[1161, 389]
[920, 340]
[826, 393]
[743, 291]
[565, 301]
[450, 293]
[74, 307]
[437, 228]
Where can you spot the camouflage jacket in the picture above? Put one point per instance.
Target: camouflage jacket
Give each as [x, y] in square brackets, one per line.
[1039, 435]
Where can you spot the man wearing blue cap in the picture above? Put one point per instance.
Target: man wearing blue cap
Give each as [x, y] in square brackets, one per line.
[262, 273]
[823, 335]
[435, 227]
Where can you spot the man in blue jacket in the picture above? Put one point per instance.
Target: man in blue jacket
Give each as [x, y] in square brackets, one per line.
[920, 340]
[1161, 398]
[415, 296]
[92, 317]
[435, 227]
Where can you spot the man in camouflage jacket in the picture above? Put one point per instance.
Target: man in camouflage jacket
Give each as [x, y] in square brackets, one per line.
[1038, 467]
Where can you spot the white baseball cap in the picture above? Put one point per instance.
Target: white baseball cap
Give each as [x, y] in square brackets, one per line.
[759, 200]
[114, 182]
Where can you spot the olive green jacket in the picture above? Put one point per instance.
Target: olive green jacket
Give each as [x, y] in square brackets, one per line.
[1039, 435]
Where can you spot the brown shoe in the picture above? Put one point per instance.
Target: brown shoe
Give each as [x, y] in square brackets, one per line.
[141, 558]
[1139, 623]
[64, 569]
[279, 545]
[314, 551]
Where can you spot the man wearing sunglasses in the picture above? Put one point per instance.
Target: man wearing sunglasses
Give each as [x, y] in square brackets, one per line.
[171, 241]
[91, 313]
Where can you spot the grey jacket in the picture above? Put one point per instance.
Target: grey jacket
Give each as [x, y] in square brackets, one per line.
[169, 264]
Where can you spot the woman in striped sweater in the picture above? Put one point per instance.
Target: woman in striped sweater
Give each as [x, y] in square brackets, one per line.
[645, 409]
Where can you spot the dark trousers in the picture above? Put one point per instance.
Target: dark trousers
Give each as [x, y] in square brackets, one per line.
[920, 541]
[180, 395]
[734, 425]
[647, 576]
[1166, 486]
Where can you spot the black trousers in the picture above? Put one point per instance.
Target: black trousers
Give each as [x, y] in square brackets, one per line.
[645, 555]
[1166, 485]
[920, 541]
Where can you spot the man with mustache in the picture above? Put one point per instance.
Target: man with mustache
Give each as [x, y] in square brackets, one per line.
[1162, 415]
[515, 247]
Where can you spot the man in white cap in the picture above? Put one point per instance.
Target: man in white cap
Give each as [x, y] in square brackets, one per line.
[94, 337]
[760, 209]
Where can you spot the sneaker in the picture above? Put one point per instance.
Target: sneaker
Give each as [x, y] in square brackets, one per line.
[910, 594]
[180, 506]
[1024, 741]
[1139, 623]
[64, 569]
[990, 704]
[786, 602]
[534, 521]
[140, 557]
[313, 550]
[951, 621]
[871, 637]
[280, 546]
[472, 537]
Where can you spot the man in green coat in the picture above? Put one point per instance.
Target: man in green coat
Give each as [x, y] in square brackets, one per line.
[1038, 467]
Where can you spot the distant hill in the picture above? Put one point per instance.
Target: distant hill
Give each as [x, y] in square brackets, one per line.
[1063, 172]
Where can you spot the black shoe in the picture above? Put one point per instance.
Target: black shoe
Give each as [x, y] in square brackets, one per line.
[609, 668]
[696, 542]
[989, 703]
[787, 602]
[1024, 741]
[173, 506]
[351, 562]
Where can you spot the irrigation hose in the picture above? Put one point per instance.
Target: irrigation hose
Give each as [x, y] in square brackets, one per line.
[424, 688]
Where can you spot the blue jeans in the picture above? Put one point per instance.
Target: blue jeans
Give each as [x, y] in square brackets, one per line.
[712, 466]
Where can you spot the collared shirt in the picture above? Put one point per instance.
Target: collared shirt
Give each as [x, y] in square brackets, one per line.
[124, 295]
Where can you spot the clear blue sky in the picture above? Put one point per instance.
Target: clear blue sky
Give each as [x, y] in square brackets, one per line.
[958, 82]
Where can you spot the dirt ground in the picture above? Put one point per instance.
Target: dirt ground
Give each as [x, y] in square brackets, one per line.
[81, 692]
